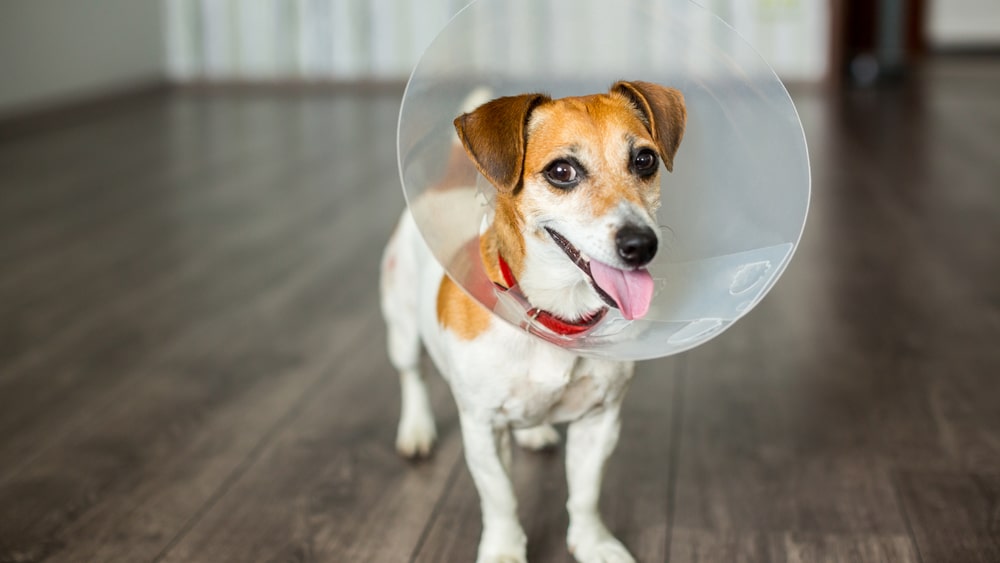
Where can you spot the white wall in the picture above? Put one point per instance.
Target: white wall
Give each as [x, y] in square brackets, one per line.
[793, 36]
[57, 50]
[264, 40]
[964, 23]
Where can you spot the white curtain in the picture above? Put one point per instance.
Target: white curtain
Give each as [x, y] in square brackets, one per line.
[324, 40]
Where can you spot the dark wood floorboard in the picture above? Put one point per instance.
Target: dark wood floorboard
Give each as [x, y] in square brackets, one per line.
[192, 364]
[793, 437]
[954, 514]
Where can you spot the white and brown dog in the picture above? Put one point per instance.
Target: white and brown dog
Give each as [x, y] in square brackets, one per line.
[577, 183]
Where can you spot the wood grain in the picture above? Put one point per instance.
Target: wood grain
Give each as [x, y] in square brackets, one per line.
[192, 364]
[953, 514]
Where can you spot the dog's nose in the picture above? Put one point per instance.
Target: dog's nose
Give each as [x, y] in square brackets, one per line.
[636, 245]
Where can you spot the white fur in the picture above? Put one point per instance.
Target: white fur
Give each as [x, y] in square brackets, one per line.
[537, 437]
[552, 282]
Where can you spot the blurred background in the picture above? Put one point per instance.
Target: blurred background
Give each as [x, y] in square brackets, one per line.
[194, 195]
[54, 52]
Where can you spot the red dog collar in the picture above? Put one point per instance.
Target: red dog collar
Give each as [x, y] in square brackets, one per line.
[550, 321]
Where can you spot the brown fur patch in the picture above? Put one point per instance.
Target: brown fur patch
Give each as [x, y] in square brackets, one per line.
[459, 313]
[664, 112]
[515, 138]
[606, 122]
[503, 238]
[494, 137]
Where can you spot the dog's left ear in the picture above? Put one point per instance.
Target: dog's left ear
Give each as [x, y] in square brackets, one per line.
[494, 135]
[664, 112]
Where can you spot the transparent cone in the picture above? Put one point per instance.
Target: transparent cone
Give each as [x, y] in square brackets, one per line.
[732, 210]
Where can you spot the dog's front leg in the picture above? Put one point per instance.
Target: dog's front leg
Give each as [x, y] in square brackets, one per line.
[487, 452]
[589, 442]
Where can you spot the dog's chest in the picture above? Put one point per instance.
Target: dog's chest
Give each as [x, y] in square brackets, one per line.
[515, 379]
[537, 397]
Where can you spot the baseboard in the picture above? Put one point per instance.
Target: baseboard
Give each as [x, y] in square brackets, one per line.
[967, 50]
[293, 86]
[32, 118]
[49, 115]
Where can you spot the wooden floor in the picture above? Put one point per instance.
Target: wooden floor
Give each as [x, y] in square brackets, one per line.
[192, 365]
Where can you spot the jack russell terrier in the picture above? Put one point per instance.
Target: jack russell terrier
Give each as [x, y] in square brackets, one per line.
[577, 182]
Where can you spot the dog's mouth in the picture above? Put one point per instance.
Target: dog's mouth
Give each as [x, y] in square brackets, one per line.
[629, 291]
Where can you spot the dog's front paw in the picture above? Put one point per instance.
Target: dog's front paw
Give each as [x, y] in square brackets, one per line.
[416, 434]
[593, 543]
[502, 544]
[537, 437]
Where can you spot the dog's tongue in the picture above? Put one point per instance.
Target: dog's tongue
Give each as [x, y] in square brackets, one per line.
[632, 290]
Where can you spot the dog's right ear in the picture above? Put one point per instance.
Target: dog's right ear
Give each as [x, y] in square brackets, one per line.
[495, 134]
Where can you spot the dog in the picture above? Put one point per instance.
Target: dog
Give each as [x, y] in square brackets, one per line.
[577, 189]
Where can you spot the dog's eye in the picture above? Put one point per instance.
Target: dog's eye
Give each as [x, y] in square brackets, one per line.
[644, 162]
[562, 174]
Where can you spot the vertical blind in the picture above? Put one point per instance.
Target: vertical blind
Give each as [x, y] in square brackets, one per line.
[343, 40]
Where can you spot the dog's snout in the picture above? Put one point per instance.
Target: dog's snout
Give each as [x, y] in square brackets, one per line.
[636, 245]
